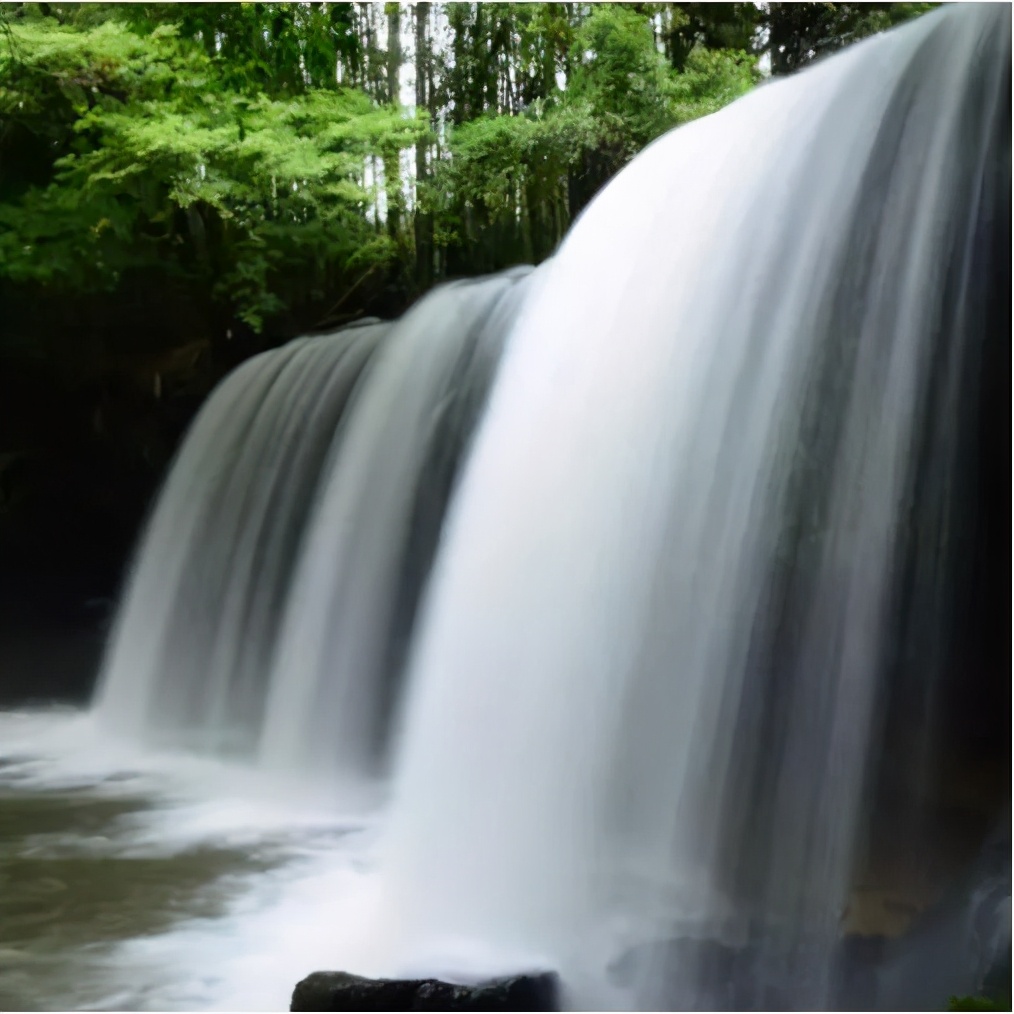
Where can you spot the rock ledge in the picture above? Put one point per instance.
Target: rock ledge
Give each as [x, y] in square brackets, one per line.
[340, 991]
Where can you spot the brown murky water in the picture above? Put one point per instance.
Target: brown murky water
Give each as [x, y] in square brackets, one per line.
[120, 891]
[67, 895]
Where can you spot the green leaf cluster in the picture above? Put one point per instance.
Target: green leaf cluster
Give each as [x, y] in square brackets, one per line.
[976, 1003]
[257, 159]
[621, 94]
[161, 164]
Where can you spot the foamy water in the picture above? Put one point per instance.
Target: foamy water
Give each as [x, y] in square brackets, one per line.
[163, 882]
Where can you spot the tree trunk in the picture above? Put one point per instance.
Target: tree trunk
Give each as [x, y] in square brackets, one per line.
[392, 166]
[423, 219]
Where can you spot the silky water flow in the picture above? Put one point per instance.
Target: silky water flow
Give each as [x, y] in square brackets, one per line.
[620, 608]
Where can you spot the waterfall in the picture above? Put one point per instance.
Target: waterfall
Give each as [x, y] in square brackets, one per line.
[188, 661]
[649, 651]
[375, 529]
[717, 486]
[280, 570]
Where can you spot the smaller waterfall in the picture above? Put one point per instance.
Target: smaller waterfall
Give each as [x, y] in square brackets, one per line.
[375, 529]
[189, 659]
[275, 588]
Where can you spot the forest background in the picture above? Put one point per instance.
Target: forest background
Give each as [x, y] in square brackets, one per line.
[184, 185]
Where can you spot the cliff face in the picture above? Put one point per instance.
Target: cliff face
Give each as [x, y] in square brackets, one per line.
[95, 395]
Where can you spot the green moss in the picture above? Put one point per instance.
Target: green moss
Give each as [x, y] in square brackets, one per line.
[976, 1003]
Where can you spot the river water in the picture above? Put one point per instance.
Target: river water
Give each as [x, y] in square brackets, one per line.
[157, 883]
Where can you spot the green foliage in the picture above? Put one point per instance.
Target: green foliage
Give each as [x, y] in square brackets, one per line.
[967, 1003]
[623, 79]
[622, 93]
[247, 153]
[711, 79]
[801, 32]
[162, 165]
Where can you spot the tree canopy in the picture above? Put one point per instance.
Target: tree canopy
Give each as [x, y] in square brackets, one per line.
[282, 164]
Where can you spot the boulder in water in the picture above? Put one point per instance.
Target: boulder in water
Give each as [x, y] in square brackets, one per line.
[340, 991]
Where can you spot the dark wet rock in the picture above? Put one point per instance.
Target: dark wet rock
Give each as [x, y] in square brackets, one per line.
[340, 991]
[859, 961]
[692, 974]
[962, 945]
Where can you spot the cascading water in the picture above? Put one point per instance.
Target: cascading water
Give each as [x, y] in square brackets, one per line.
[700, 576]
[644, 709]
[375, 529]
[278, 580]
[189, 657]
